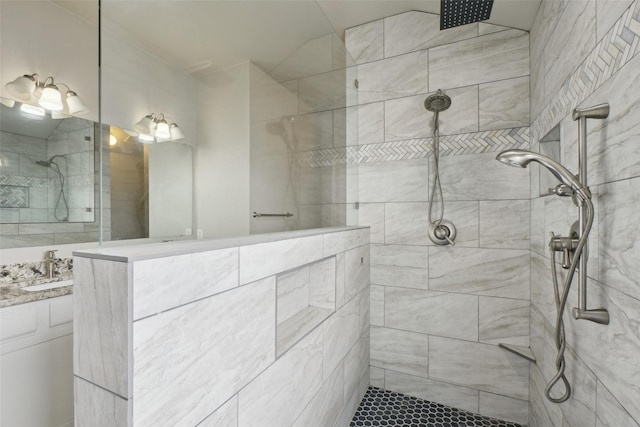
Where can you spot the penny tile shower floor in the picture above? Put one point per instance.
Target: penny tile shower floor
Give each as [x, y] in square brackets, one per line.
[386, 408]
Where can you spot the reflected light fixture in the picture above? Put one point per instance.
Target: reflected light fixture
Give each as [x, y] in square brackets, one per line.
[113, 140]
[29, 88]
[33, 110]
[156, 127]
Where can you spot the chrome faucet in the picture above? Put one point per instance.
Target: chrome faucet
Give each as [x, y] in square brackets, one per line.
[50, 262]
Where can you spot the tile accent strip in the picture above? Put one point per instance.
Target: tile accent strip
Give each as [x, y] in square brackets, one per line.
[618, 47]
[450, 145]
[25, 181]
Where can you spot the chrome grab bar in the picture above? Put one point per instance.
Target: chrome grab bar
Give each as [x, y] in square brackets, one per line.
[257, 215]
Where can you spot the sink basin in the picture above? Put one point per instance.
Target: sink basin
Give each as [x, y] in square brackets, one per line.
[47, 286]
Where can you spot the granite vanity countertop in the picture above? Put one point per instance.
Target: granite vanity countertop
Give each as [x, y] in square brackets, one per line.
[13, 293]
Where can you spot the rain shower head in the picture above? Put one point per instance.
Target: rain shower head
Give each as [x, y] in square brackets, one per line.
[454, 13]
[521, 158]
[437, 102]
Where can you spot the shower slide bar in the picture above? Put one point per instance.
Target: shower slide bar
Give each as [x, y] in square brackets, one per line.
[601, 111]
[258, 215]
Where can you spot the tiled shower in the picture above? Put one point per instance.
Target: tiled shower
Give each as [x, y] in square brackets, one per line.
[438, 313]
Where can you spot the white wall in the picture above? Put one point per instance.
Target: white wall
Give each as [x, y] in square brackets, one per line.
[222, 155]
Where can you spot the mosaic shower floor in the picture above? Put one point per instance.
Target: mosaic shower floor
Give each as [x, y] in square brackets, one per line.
[386, 408]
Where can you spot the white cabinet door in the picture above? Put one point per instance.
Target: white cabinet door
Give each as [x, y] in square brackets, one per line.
[36, 364]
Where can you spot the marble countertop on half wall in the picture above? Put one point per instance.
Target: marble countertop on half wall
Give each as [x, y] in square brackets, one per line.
[173, 248]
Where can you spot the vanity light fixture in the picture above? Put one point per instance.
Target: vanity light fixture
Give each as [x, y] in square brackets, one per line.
[33, 110]
[29, 87]
[154, 127]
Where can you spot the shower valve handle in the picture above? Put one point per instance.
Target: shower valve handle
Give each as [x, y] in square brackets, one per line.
[566, 245]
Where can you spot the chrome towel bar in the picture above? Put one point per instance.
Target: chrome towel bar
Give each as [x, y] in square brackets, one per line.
[257, 215]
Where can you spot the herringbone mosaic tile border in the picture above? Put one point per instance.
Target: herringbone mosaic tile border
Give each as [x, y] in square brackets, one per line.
[450, 145]
[617, 48]
[25, 181]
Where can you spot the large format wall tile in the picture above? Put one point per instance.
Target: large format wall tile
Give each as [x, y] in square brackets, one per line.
[325, 407]
[607, 13]
[493, 57]
[481, 177]
[406, 223]
[100, 351]
[341, 331]
[489, 272]
[612, 147]
[503, 224]
[356, 365]
[575, 33]
[225, 416]
[407, 118]
[365, 42]
[322, 284]
[95, 406]
[400, 265]
[401, 181]
[370, 123]
[504, 104]
[610, 351]
[609, 412]
[265, 259]
[400, 351]
[411, 31]
[173, 382]
[356, 271]
[434, 391]
[334, 243]
[504, 321]
[372, 215]
[432, 312]
[275, 397]
[480, 366]
[618, 239]
[504, 408]
[155, 284]
[393, 78]
[377, 305]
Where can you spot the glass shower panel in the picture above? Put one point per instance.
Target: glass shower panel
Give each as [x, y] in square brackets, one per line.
[303, 140]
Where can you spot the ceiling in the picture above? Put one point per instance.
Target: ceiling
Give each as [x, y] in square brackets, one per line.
[201, 36]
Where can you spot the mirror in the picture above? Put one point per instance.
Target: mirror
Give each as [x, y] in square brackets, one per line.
[49, 183]
[46, 169]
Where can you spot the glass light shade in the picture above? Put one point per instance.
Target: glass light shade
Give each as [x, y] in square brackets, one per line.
[75, 104]
[33, 110]
[146, 139]
[51, 98]
[57, 115]
[22, 87]
[113, 140]
[145, 125]
[175, 131]
[162, 130]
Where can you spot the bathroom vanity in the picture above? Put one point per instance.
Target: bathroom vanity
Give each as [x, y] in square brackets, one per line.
[262, 330]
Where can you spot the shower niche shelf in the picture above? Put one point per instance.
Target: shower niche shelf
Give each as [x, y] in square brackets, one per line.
[306, 296]
[519, 350]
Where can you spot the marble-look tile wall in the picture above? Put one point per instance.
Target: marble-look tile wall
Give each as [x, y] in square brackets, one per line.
[585, 53]
[192, 339]
[438, 313]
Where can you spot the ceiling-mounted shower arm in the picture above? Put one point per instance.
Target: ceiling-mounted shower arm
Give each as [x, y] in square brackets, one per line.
[600, 111]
